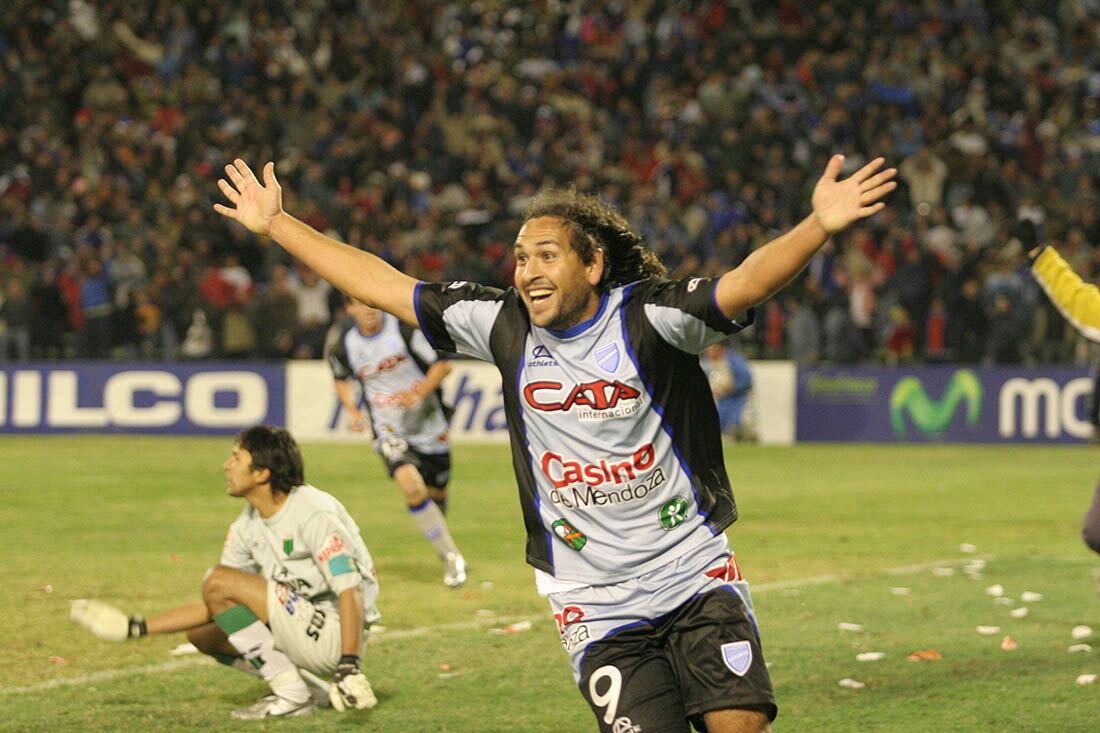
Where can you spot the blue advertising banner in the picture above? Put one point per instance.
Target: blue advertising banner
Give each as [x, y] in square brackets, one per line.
[943, 403]
[105, 397]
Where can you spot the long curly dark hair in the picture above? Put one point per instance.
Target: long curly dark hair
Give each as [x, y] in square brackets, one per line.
[595, 225]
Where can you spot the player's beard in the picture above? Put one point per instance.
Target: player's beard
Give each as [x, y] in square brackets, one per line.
[574, 301]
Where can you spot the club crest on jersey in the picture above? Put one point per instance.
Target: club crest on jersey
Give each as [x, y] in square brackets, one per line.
[607, 358]
[738, 657]
[288, 545]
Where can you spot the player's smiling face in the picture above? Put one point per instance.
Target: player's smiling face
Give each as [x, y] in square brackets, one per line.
[239, 475]
[557, 287]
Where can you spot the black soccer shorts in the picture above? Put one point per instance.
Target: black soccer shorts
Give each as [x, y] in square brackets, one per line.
[658, 676]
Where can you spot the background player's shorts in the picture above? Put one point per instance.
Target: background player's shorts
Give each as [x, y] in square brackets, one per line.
[664, 648]
[308, 634]
[435, 468]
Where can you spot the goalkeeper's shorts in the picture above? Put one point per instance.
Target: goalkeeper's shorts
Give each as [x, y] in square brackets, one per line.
[309, 634]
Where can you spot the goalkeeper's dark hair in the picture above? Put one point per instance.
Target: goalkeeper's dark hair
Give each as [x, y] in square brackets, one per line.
[276, 450]
[596, 225]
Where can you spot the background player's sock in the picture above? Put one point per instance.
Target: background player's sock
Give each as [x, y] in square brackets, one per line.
[431, 523]
[255, 642]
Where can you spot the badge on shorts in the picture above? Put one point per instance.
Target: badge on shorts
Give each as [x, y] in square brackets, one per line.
[738, 657]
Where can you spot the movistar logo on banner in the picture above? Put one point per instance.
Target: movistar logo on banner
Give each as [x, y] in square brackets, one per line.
[935, 416]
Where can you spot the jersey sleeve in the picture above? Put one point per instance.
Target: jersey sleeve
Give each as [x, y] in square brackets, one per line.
[235, 552]
[685, 313]
[336, 354]
[328, 541]
[458, 317]
[1078, 301]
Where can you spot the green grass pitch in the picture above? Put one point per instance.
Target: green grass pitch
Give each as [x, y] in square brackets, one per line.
[826, 533]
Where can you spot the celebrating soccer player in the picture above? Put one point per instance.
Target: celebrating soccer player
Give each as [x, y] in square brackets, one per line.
[291, 596]
[615, 438]
[400, 374]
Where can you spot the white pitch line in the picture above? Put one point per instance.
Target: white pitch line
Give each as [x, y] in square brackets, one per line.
[833, 578]
[167, 667]
[106, 676]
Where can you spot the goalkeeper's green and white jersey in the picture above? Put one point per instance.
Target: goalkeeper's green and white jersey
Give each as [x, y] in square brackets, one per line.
[311, 545]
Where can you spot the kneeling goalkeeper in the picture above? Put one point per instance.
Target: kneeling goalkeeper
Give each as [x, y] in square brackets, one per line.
[293, 592]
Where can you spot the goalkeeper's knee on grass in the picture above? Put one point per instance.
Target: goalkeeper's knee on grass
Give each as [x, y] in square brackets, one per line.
[105, 621]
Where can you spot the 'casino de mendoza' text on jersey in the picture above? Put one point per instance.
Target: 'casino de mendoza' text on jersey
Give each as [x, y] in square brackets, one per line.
[615, 439]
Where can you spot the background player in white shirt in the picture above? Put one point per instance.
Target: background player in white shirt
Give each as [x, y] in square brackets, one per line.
[293, 591]
[598, 351]
[400, 375]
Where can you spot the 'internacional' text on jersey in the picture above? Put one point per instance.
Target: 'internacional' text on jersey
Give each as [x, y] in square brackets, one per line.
[615, 439]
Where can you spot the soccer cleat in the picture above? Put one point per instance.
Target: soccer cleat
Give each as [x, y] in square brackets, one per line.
[273, 706]
[454, 570]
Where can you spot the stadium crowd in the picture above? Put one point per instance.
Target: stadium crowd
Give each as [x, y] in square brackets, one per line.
[418, 130]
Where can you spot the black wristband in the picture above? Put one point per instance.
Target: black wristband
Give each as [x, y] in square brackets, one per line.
[349, 659]
[137, 627]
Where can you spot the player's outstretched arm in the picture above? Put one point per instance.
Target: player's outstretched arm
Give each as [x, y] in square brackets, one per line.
[259, 207]
[1077, 300]
[836, 205]
[111, 624]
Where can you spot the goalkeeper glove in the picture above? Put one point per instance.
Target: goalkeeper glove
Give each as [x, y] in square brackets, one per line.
[350, 687]
[105, 621]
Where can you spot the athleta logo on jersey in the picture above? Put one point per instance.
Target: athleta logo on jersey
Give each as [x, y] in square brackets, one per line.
[541, 357]
[595, 400]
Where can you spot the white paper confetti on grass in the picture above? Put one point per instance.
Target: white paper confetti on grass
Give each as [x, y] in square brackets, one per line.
[1081, 632]
[996, 590]
[512, 628]
[377, 629]
[183, 649]
[851, 684]
[845, 626]
[1076, 648]
[976, 565]
[1031, 597]
[1018, 612]
[988, 630]
[486, 613]
[901, 591]
[1004, 601]
[943, 572]
[968, 548]
[869, 656]
[1085, 679]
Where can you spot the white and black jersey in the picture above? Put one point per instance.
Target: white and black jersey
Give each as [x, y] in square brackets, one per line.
[386, 363]
[615, 438]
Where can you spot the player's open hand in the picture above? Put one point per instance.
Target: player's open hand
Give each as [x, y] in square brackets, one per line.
[255, 205]
[408, 399]
[102, 619]
[839, 203]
